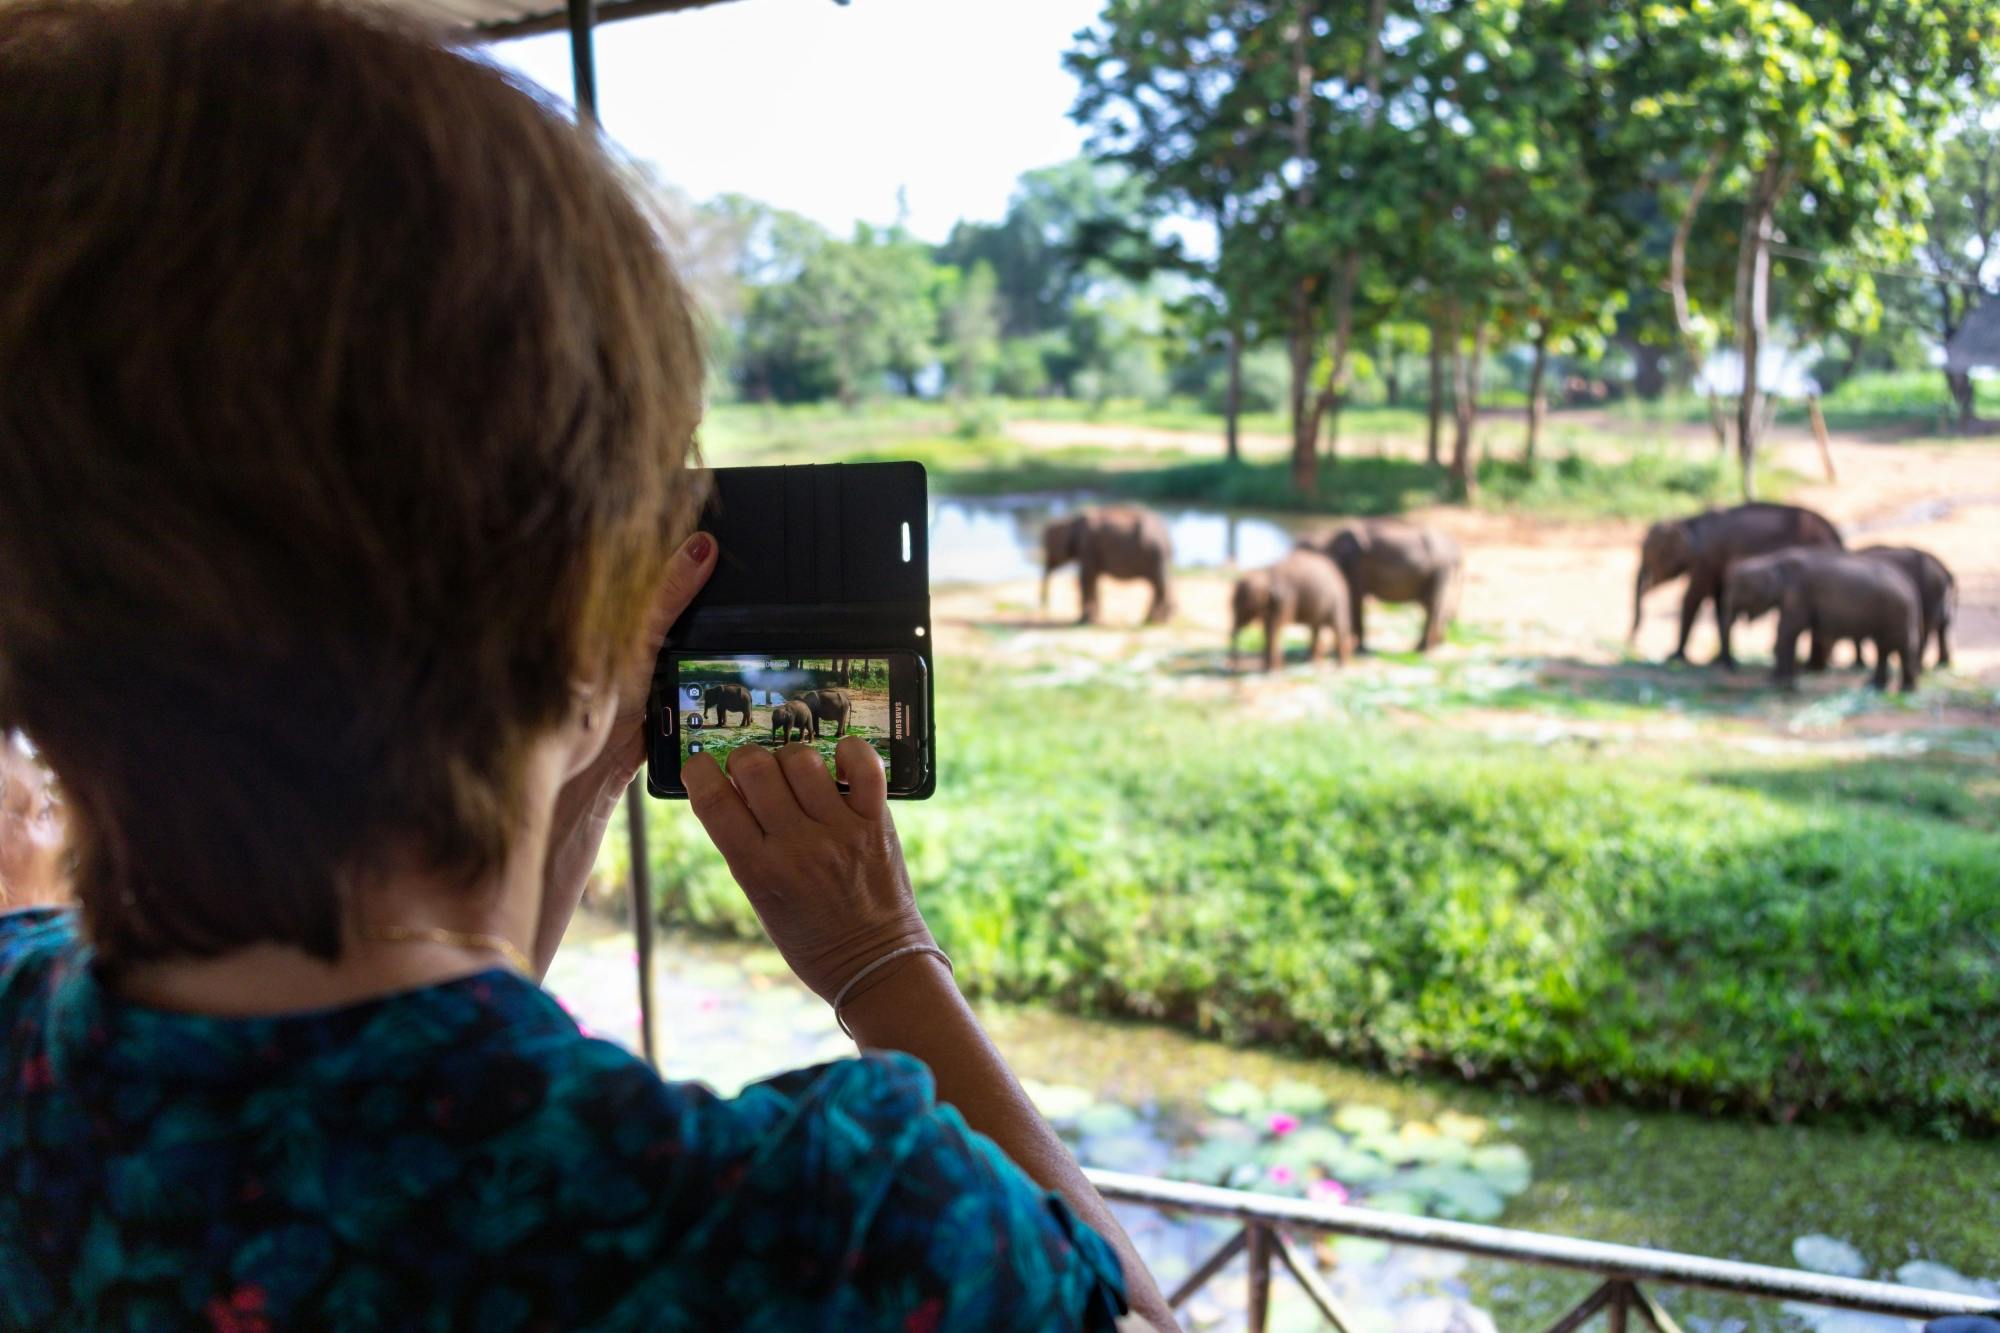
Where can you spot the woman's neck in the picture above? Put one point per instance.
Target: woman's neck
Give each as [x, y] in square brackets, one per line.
[431, 918]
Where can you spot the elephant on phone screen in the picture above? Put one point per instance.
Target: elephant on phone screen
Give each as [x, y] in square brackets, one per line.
[790, 717]
[1117, 542]
[1304, 588]
[1397, 562]
[1704, 546]
[827, 706]
[727, 699]
[1833, 595]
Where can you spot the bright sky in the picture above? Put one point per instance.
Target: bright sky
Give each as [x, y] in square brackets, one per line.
[827, 110]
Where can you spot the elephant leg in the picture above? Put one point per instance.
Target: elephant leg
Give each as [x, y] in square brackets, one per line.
[1343, 642]
[1086, 591]
[1433, 614]
[1880, 679]
[1274, 630]
[1819, 651]
[1162, 607]
[1791, 624]
[1944, 645]
[1723, 657]
[1360, 624]
[1697, 592]
[1315, 648]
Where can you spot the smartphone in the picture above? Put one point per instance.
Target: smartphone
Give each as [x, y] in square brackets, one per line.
[719, 703]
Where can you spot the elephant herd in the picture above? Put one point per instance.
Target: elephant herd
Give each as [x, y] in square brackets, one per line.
[1748, 560]
[802, 714]
[1758, 558]
[1322, 584]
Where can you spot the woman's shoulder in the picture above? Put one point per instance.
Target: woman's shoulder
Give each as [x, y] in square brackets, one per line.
[32, 939]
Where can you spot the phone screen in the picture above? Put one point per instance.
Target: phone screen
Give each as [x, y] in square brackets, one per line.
[722, 703]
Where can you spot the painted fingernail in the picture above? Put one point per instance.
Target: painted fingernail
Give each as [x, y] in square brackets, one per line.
[697, 547]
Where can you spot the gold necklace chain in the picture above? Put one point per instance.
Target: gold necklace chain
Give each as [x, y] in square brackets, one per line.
[457, 939]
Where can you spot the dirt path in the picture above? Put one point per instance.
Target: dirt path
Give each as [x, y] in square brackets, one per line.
[1565, 588]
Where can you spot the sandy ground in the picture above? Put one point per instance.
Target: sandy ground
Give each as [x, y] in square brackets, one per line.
[1565, 589]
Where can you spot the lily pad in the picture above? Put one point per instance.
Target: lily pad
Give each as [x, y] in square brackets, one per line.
[1938, 1277]
[1356, 1118]
[1360, 1251]
[1397, 1201]
[1300, 1099]
[1829, 1255]
[1504, 1166]
[1106, 1118]
[1060, 1102]
[1464, 1128]
[1235, 1097]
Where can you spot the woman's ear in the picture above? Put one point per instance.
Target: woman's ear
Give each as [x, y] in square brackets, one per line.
[592, 710]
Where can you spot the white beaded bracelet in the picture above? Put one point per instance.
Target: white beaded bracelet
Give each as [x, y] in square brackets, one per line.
[876, 966]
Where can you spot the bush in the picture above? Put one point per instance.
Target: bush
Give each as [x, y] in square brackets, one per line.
[1570, 923]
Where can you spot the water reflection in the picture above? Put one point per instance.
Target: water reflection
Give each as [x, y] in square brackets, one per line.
[999, 539]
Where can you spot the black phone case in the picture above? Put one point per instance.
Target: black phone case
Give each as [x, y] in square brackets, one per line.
[820, 558]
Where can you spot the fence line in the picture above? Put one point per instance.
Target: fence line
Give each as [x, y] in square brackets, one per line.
[1619, 1297]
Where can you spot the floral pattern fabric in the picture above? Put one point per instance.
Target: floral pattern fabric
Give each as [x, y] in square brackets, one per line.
[462, 1157]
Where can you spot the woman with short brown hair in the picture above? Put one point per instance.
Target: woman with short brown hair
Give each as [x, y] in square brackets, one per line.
[345, 408]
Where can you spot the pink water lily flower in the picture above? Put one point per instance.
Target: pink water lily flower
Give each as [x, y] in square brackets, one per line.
[1282, 1174]
[1328, 1190]
[1283, 1123]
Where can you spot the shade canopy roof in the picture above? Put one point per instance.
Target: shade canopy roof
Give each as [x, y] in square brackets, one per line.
[493, 20]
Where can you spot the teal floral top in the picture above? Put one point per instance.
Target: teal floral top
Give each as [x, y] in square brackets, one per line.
[461, 1157]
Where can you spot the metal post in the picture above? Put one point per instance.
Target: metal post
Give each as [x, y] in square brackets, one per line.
[642, 909]
[1260, 1279]
[582, 58]
[583, 76]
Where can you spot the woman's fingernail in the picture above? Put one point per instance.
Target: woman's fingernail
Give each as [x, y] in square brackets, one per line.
[698, 547]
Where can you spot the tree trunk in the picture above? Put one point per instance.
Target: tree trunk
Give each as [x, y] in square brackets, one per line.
[1465, 407]
[1305, 413]
[1677, 286]
[1960, 384]
[1753, 310]
[1538, 401]
[1232, 407]
[1431, 454]
[1348, 275]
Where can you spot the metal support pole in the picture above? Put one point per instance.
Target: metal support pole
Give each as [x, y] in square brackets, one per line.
[583, 58]
[1260, 1279]
[1210, 1266]
[642, 909]
[583, 76]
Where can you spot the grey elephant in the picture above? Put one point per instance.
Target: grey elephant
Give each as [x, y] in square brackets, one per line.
[790, 717]
[1114, 541]
[1937, 596]
[1305, 588]
[727, 699]
[1704, 546]
[1397, 562]
[1834, 595]
[827, 706]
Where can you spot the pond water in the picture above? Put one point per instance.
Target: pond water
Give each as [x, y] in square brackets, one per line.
[1143, 1098]
[999, 539]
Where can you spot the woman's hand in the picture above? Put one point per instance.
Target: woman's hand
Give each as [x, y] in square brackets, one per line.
[823, 869]
[587, 801]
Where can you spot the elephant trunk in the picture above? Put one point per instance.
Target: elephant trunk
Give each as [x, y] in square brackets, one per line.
[1640, 588]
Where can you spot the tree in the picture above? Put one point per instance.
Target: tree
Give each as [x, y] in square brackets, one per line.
[1044, 253]
[837, 317]
[1962, 240]
[972, 329]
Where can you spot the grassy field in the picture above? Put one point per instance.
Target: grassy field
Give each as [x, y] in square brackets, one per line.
[1572, 480]
[1681, 928]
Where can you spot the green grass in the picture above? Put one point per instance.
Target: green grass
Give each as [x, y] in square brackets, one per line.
[1771, 941]
[1647, 484]
[1873, 401]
